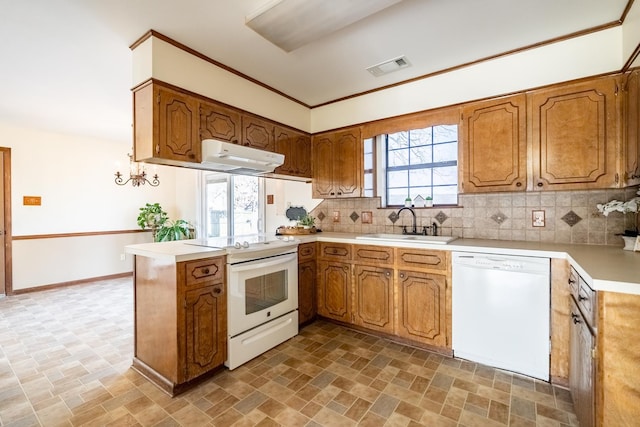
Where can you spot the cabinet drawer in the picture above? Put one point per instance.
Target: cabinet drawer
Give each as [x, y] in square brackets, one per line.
[422, 259]
[339, 251]
[587, 302]
[373, 254]
[204, 271]
[306, 252]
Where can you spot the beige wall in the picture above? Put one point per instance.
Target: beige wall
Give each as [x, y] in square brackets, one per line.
[74, 176]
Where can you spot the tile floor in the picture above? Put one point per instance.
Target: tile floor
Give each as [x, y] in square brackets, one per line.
[65, 357]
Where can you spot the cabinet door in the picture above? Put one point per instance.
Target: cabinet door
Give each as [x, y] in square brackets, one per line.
[296, 148]
[337, 164]
[178, 131]
[581, 372]
[373, 301]
[205, 333]
[494, 154]
[334, 290]
[306, 291]
[257, 133]
[347, 164]
[631, 155]
[220, 122]
[322, 156]
[574, 136]
[422, 307]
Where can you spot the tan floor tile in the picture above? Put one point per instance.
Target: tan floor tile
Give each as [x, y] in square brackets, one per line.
[326, 376]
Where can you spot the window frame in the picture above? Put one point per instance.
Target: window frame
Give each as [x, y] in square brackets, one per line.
[207, 177]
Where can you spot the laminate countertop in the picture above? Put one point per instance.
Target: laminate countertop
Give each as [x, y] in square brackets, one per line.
[604, 268]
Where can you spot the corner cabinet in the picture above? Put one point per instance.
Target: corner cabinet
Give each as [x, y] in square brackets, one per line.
[166, 125]
[574, 135]
[180, 323]
[494, 146]
[337, 164]
[296, 147]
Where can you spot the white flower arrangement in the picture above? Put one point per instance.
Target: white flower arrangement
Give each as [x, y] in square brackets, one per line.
[630, 206]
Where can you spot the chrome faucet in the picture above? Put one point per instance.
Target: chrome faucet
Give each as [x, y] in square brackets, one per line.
[414, 229]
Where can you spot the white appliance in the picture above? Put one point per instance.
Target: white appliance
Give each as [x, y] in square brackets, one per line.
[501, 309]
[262, 293]
[239, 159]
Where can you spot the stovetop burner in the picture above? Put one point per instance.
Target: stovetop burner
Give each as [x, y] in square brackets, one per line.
[254, 243]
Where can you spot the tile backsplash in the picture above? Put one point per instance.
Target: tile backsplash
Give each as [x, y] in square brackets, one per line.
[568, 216]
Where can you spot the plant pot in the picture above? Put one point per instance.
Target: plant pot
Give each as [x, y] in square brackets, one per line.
[629, 242]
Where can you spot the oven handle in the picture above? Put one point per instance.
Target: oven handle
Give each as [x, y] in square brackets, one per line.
[264, 263]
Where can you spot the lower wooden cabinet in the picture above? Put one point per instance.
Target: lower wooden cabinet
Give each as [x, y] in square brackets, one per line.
[334, 290]
[307, 272]
[582, 368]
[373, 298]
[396, 291]
[422, 303]
[180, 323]
[205, 332]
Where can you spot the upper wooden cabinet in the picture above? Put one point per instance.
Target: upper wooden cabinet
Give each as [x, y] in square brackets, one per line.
[220, 122]
[257, 133]
[337, 164]
[631, 143]
[296, 147]
[494, 146]
[166, 125]
[574, 133]
[170, 124]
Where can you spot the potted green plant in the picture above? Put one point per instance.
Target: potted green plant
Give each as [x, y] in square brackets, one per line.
[306, 221]
[153, 217]
[174, 230]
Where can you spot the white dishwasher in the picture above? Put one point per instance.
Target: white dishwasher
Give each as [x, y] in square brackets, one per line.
[501, 309]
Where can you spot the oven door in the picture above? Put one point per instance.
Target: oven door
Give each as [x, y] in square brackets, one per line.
[260, 291]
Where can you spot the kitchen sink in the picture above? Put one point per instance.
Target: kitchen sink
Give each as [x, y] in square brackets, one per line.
[442, 240]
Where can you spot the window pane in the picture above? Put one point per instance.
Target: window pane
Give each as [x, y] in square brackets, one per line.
[447, 195]
[245, 205]
[421, 137]
[445, 152]
[398, 140]
[216, 202]
[398, 179]
[421, 155]
[420, 177]
[446, 175]
[396, 196]
[445, 133]
[398, 158]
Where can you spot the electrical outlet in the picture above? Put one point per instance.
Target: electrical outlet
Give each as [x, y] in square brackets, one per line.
[122, 257]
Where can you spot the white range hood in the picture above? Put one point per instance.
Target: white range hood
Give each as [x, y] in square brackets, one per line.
[234, 158]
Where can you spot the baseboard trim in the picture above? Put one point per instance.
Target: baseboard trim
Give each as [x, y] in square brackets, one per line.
[70, 283]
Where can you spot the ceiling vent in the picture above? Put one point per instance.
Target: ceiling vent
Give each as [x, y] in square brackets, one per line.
[389, 66]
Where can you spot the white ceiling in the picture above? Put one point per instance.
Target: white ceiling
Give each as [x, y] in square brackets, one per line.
[66, 64]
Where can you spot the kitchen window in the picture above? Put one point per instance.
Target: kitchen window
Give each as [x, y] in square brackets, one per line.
[418, 162]
[232, 205]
